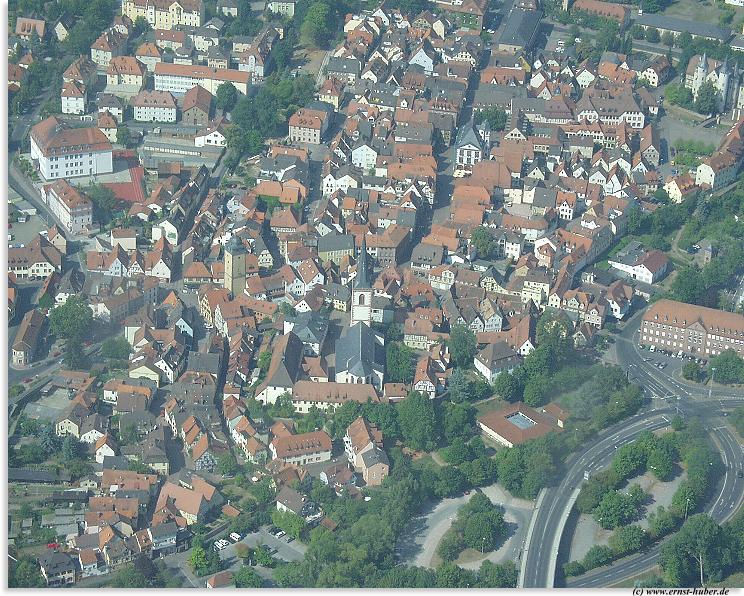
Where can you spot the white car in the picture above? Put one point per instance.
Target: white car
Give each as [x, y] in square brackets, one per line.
[280, 533]
[235, 537]
[220, 544]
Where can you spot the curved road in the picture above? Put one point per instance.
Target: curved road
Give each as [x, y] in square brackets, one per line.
[555, 503]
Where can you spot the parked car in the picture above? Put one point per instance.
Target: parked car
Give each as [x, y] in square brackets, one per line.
[221, 544]
[235, 537]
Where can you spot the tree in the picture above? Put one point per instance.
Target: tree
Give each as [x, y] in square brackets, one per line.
[627, 539]
[288, 521]
[457, 421]
[462, 346]
[707, 99]
[667, 38]
[729, 367]
[459, 387]
[226, 97]
[227, 465]
[652, 35]
[692, 371]
[103, 199]
[417, 420]
[316, 28]
[492, 575]
[508, 386]
[629, 460]
[661, 463]
[72, 320]
[25, 573]
[70, 448]
[484, 530]
[141, 26]
[614, 510]
[597, 556]
[661, 522]
[48, 440]
[124, 136]
[701, 551]
[198, 559]
[536, 390]
[484, 242]
[116, 348]
[450, 546]
[246, 577]
[399, 363]
[496, 118]
[573, 569]
[637, 32]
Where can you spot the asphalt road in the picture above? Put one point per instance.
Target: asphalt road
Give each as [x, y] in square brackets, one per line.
[669, 395]
[725, 504]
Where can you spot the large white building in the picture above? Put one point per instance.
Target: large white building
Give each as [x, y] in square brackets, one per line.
[180, 78]
[71, 207]
[165, 14]
[64, 152]
[154, 106]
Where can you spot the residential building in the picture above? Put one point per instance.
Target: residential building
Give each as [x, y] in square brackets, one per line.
[29, 338]
[71, 207]
[165, 14]
[302, 449]
[154, 106]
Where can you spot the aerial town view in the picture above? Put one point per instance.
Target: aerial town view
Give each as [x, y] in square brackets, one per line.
[375, 294]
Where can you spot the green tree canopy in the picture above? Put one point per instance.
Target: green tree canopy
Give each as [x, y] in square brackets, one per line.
[399, 366]
[72, 320]
[462, 345]
[417, 420]
[707, 99]
[246, 577]
[729, 367]
[226, 96]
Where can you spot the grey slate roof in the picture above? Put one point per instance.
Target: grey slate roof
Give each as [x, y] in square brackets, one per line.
[359, 352]
[680, 25]
[520, 27]
[334, 242]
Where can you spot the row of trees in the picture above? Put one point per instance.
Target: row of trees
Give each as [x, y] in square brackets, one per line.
[613, 509]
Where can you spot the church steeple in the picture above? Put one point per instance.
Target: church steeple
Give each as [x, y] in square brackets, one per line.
[361, 281]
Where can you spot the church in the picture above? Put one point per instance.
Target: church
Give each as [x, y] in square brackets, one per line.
[725, 77]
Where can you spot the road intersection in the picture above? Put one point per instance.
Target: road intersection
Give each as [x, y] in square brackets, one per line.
[668, 396]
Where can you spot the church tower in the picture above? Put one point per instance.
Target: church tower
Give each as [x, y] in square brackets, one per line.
[361, 293]
[235, 270]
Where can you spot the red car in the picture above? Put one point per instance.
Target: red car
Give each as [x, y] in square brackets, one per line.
[52, 545]
[56, 354]
[27, 380]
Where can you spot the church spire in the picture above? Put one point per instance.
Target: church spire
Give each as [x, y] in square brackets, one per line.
[362, 277]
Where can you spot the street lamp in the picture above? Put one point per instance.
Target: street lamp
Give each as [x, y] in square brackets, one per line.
[712, 379]
[687, 503]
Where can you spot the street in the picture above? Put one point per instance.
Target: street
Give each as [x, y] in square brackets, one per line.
[669, 396]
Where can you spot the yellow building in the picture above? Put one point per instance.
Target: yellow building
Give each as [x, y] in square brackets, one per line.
[165, 14]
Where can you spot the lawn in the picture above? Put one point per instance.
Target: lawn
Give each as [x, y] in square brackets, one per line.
[630, 582]
[705, 11]
[489, 405]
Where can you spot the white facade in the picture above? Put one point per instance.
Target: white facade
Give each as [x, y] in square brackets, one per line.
[155, 113]
[74, 211]
[212, 138]
[73, 164]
